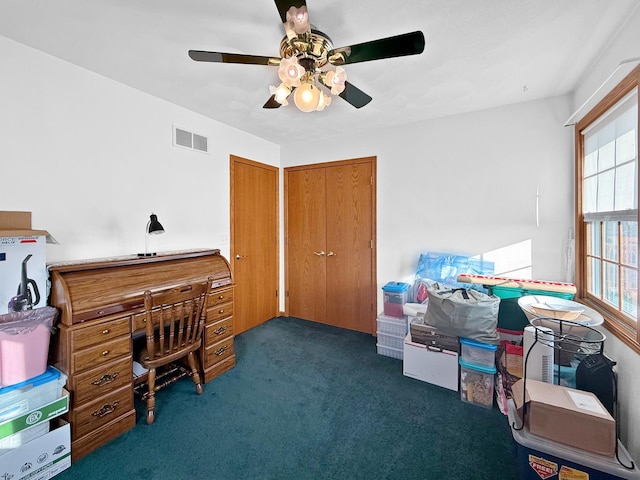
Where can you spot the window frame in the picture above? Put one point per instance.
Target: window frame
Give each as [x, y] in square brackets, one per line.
[614, 321]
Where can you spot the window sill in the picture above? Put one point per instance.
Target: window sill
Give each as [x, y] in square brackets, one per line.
[624, 333]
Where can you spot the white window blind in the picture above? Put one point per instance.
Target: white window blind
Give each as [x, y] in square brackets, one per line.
[610, 170]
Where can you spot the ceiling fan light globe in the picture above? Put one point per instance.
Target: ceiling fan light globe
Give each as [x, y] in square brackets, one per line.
[290, 71]
[307, 97]
[298, 18]
[325, 101]
[280, 93]
[338, 80]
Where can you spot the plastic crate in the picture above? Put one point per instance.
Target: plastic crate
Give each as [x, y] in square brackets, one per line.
[477, 353]
[510, 315]
[390, 352]
[391, 325]
[477, 384]
[393, 341]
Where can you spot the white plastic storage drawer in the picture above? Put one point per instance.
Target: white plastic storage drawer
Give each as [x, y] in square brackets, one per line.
[391, 325]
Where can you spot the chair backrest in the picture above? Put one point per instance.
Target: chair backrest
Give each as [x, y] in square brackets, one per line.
[175, 318]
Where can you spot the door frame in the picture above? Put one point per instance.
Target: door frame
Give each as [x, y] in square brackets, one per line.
[374, 228]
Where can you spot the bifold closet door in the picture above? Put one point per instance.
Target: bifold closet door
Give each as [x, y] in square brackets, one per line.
[306, 238]
[330, 214]
[349, 244]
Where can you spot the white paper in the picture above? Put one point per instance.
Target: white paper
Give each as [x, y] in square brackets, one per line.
[138, 370]
[586, 402]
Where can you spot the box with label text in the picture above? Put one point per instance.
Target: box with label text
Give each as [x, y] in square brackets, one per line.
[566, 415]
[23, 269]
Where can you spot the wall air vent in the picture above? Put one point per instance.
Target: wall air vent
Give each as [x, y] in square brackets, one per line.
[193, 141]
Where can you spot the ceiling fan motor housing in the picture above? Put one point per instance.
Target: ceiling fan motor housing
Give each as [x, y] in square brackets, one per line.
[311, 49]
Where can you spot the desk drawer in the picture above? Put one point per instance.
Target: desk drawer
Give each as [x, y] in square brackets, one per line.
[218, 352]
[101, 354]
[219, 312]
[217, 331]
[219, 297]
[102, 380]
[139, 323]
[99, 412]
[99, 333]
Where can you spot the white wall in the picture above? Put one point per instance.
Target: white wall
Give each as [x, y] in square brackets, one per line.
[467, 184]
[92, 158]
[624, 46]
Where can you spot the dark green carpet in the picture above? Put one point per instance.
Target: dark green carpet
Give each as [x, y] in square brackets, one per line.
[308, 401]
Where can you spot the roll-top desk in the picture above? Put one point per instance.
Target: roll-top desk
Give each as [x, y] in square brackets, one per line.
[101, 306]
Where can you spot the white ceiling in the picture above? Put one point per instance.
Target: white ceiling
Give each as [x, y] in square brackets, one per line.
[479, 53]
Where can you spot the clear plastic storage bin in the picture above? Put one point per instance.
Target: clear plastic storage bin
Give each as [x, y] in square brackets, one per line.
[477, 384]
[477, 353]
[396, 294]
[31, 394]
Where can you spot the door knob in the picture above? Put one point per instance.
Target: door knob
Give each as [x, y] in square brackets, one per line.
[331, 254]
[320, 253]
[238, 257]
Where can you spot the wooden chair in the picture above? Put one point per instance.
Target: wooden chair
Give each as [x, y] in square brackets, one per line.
[175, 320]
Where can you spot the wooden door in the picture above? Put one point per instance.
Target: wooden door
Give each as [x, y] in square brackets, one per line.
[254, 242]
[330, 243]
[305, 241]
[350, 303]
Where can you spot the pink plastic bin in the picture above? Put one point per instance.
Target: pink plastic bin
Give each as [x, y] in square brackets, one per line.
[24, 344]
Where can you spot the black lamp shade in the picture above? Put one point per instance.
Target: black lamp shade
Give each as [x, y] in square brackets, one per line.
[154, 226]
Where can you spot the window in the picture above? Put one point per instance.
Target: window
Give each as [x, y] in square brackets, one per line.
[607, 210]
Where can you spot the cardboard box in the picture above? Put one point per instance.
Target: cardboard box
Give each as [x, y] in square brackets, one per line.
[23, 267]
[41, 458]
[430, 364]
[566, 415]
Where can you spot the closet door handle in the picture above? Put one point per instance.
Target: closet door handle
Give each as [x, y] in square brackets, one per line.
[320, 253]
[331, 254]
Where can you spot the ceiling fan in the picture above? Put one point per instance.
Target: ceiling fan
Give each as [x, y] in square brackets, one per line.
[308, 59]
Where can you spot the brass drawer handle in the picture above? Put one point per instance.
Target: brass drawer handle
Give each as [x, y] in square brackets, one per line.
[106, 409]
[105, 331]
[220, 330]
[220, 351]
[105, 353]
[105, 379]
[220, 297]
[221, 311]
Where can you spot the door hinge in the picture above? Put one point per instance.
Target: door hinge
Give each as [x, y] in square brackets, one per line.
[371, 244]
[371, 179]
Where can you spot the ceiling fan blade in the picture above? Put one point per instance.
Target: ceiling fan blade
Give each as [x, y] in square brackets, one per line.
[354, 95]
[220, 57]
[397, 46]
[271, 103]
[283, 7]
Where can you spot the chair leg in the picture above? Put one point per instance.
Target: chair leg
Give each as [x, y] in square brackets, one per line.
[195, 375]
[151, 397]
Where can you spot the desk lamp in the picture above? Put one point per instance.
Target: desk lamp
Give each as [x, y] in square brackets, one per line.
[153, 228]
